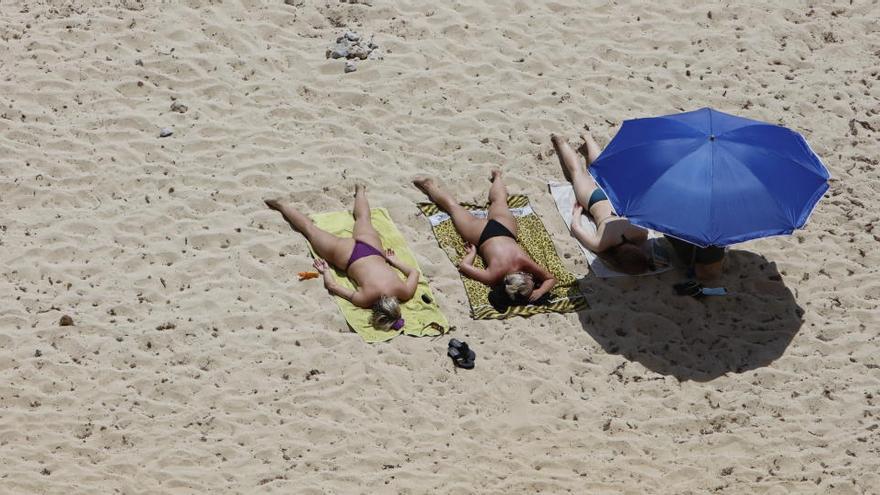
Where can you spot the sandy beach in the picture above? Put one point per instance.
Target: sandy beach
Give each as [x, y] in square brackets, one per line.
[198, 363]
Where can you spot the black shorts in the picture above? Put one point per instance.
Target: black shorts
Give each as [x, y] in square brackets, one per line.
[691, 254]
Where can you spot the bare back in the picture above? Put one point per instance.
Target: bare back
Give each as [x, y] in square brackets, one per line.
[613, 230]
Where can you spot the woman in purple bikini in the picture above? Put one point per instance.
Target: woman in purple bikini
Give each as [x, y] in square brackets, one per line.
[363, 258]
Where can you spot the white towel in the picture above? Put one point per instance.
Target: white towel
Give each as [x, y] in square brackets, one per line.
[563, 196]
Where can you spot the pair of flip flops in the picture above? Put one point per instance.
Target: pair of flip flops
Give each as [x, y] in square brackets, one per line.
[462, 355]
[696, 290]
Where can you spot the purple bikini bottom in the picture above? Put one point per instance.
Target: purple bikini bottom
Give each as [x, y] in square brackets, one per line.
[362, 250]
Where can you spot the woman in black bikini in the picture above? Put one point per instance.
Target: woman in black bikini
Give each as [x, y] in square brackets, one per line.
[615, 239]
[363, 259]
[495, 240]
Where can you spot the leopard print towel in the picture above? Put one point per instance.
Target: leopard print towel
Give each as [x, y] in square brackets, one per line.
[566, 297]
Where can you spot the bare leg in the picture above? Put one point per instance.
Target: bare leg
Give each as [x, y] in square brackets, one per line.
[467, 225]
[583, 183]
[363, 226]
[590, 148]
[498, 209]
[334, 249]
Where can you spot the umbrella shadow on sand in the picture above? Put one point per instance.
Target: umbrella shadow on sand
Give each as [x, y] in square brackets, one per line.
[642, 319]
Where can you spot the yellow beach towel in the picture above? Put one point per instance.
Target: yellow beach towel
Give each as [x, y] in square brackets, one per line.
[421, 313]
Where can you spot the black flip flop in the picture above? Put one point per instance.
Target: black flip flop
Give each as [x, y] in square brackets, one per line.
[462, 355]
[689, 288]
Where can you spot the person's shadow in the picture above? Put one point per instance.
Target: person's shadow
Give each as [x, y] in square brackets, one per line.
[642, 319]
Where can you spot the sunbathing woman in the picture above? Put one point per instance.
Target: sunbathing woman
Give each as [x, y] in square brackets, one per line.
[362, 257]
[615, 240]
[495, 239]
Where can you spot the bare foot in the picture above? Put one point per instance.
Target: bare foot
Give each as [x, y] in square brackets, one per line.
[425, 184]
[496, 174]
[359, 188]
[275, 204]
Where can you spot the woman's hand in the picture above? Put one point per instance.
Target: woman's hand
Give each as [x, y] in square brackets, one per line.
[320, 265]
[390, 256]
[470, 253]
[544, 288]
[576, 213]
[324, 269]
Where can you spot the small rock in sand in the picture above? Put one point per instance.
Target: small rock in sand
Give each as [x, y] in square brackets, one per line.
[165, 132]
[360, 52]
[351, 46]
[66, 321]
[178, 107]
[341, 50]
[350, 67]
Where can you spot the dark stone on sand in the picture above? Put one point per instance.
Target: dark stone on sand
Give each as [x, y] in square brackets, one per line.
[178, 107]
[66, 321]
[357, 51]
[341, 50]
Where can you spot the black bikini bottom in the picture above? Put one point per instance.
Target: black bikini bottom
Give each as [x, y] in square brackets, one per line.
[494, 229]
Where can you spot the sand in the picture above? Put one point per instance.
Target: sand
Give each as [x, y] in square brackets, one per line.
[198, 364]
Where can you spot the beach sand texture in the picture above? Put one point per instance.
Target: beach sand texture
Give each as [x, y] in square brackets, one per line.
[197, 363]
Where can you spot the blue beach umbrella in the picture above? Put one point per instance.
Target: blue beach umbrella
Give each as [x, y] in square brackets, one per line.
[711, 178]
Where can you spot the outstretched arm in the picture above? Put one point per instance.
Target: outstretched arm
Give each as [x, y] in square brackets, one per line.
[590, 240]
[412, 275]
[547, 278]
[356, 297]
[466, 267]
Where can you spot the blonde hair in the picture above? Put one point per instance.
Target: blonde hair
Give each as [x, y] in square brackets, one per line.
[519, 285]
[386, 311]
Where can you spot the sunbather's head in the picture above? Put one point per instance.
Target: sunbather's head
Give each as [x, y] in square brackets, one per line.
[629, 258]
[519, 286]
[386, 314]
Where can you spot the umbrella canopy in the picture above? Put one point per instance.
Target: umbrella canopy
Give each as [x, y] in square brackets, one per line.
[711, 178]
